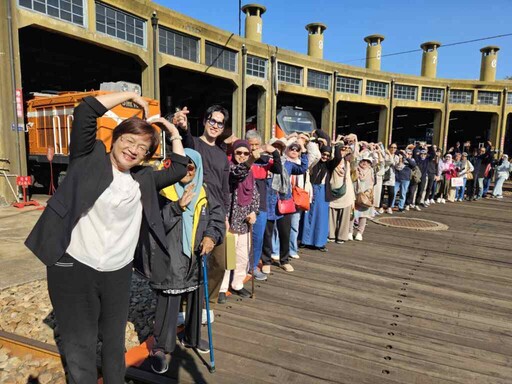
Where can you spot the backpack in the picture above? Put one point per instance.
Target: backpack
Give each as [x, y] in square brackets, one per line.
[416, 175]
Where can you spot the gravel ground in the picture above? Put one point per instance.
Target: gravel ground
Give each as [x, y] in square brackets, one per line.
[26, 310]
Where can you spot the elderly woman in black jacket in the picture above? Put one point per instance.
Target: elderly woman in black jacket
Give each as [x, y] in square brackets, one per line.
[104, 212]
[194, 224]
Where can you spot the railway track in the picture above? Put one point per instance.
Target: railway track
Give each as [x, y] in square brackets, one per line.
[21, 347]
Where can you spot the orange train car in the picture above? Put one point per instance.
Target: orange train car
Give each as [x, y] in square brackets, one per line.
[50, 120]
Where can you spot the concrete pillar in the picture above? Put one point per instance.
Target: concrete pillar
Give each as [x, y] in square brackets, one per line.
[261, 111]
[429, 58]
[316, 39]
[440, 134]
[489, 61]
[383, 123]
[494, 134]
[236, 113]
[253, 21]
[327, 117]
[373, 51]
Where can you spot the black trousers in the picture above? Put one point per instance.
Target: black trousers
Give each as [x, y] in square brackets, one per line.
[88, 305]
[429, 194]
[391, 195]
[413, 188]
[420, 190]
[284, 225]
[166, 319]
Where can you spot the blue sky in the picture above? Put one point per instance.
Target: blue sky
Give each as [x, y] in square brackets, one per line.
[405, 24]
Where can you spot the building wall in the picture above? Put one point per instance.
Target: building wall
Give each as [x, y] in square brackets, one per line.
[267, 105]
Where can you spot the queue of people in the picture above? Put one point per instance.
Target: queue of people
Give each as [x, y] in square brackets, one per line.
[111, 215]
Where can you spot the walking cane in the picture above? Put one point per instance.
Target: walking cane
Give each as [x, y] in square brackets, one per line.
[211, 368]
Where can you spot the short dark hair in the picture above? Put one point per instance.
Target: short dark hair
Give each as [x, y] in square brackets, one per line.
[137, 126]
[216, 108]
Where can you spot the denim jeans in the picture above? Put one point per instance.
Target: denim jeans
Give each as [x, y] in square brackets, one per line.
[480, 183]
[404, 186]
[459, 191]
[258, 231]
[487, 184]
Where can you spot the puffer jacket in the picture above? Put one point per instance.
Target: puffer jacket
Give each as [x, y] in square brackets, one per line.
[184, 272]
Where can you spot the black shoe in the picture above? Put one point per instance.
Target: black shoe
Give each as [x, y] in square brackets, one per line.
[242, 292]
[201, 347]
[222, 298]
[322, 249]
[159, 361]
[302, 245]
[401, 210]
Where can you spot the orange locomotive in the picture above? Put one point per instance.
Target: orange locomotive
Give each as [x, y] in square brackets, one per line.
[50, 119]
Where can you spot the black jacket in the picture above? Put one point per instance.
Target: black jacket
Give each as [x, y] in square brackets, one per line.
[183, 272]
[89, 174]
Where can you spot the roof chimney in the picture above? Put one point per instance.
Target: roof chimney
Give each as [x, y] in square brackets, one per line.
[373, 51]
[489, 61]
[253, 21]
[429, 58]
[316, 39]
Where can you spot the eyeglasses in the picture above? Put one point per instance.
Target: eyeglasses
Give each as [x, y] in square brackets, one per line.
[130, 143]
[294, 149]
[241, 153]
[212, 123]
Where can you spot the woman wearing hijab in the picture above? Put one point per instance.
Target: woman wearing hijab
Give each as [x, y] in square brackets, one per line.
[446, 172]
[194, 224]
[503, 170]
[244, 204]
[365, 181]
[316, 220]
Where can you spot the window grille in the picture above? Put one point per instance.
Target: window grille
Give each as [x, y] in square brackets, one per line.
[220, 57]
[178, 44]
[66, 10]
[119, 24]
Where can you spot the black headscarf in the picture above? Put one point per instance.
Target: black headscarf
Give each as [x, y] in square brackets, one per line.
[319, 171]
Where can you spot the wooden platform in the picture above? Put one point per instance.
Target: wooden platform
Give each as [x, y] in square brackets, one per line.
[400, 307]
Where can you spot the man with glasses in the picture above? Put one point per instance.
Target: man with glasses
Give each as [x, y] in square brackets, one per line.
[216, 177]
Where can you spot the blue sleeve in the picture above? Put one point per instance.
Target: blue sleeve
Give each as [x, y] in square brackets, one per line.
[301, 169]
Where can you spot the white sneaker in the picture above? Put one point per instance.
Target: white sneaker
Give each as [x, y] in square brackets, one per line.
[204, 319]
[426, 203]
[432, 201]
[274, 257]
[499, 197]
[359, 237]
[295, 256]
[417, 207]
[181, 318]
[438, 200]
[443, 201]
[406, 207]
[389, 211]
[350, 237]
[381, 210]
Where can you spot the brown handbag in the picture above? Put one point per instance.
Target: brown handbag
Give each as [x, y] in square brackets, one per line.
[365, 199]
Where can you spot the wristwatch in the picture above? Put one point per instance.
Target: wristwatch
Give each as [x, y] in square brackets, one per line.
[177, 137]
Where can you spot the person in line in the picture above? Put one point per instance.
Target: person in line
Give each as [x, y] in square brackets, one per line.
[388, 179]
[216, 176]
[465, 167]
[104, 212]
[363, 184]
[269, 162]
[422, 160]
[446, 172]
[316, 221]
[340, 194]
[503, 169]
[481, 162]
[403, 176]
[244, 205]
[194, 224]
[279, 188]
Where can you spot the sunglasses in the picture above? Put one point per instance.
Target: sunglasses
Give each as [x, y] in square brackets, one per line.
[214, 122]
[294, 149]
[242, 153]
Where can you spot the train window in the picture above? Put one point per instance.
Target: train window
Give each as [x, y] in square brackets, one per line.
[119, 24]
[405, 92]
[319, 80]
[67, 10]
[435, 95]
[509, 98]
[376, 88]
[489, 98]
[289, 73]
[178, 44]
[348, 85]
[256, 66]
[459, 96]
[220, 57]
